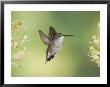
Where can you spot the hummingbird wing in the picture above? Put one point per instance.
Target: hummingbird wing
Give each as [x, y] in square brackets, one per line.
[52, 33]
[43, 37]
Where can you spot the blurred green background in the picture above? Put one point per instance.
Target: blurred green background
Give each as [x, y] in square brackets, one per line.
[72, 59]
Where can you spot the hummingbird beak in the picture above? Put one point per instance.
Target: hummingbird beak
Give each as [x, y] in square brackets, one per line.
[68, 35]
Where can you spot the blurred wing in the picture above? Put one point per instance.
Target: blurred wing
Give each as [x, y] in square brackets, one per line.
[52, 33]
[44, 38]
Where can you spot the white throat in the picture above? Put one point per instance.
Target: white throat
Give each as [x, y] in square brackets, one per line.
[59, 41]
[61, 38]
[57, 45]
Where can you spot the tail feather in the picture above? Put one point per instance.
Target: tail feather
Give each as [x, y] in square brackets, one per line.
[49, 58]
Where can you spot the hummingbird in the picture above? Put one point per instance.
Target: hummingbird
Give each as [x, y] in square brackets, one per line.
[53, 42]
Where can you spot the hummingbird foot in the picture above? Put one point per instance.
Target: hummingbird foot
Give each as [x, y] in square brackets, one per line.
[45, 62]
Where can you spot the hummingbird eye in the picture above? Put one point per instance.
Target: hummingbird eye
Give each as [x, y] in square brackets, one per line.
[59, 35]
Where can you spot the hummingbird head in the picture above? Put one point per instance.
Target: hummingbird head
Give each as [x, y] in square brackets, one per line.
[60, 34]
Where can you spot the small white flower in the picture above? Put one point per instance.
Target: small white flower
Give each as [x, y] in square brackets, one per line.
[25, 37]
[22, 41]
[94, 37]
[14, 44]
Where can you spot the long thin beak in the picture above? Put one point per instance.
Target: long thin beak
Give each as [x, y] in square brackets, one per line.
[68, 35]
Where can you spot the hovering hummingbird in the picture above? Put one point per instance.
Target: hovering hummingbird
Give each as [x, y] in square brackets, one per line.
[53, 42]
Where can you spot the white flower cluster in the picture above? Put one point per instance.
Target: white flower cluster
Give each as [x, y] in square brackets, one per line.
[19, 55]
[18, 41]
[17, 25]
[94, 48]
